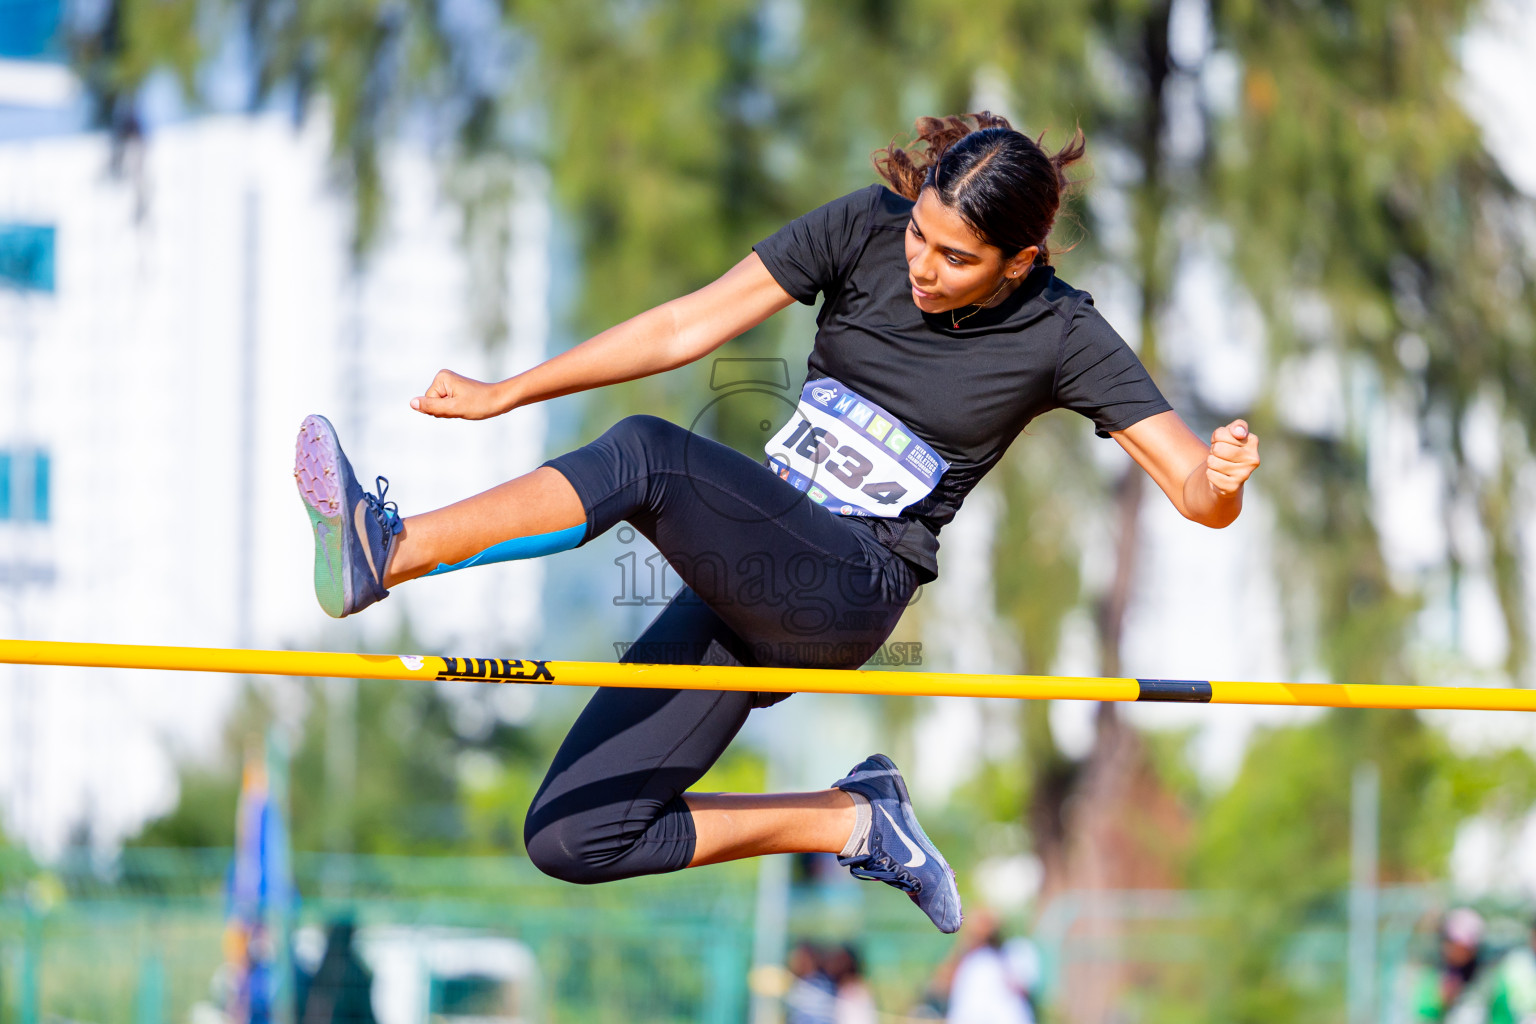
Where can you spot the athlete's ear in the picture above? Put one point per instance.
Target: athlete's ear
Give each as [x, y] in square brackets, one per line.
[1021, 262]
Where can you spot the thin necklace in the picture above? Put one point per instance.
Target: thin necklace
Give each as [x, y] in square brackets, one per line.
[954, 321]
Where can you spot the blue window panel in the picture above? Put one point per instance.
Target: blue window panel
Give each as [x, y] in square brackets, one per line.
[26, 254]
[42, 471]
[5, 485]
[30, 28]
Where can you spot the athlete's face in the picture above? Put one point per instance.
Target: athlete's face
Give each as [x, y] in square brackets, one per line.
[949, 266]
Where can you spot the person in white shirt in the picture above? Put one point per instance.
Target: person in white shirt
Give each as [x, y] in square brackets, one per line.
[988, 987]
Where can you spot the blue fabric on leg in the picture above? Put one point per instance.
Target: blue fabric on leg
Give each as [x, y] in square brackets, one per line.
[521, 547]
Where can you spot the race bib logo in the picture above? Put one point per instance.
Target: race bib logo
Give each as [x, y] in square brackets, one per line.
[847, 453]
[922, 461]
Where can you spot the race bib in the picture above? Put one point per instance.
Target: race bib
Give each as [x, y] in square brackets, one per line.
[852, 456]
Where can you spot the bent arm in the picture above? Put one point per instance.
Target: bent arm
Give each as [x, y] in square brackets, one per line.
[660, 339]
[1204, 482]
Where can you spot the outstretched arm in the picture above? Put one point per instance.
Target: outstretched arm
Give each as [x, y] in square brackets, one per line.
[1204, 482]
[671, 335]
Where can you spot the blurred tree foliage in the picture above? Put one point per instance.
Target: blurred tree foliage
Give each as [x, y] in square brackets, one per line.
[1278, 841]
[1383, 242]
[15, 865]
[420, 752]
[444, 769]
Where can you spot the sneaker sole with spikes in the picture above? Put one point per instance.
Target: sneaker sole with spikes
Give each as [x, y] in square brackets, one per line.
[317, 471]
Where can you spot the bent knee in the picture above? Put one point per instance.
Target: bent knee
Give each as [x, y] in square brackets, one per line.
[648, 434]
[559, 849]
[588, 849]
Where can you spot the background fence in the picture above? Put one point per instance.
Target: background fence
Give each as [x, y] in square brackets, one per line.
[138, 940]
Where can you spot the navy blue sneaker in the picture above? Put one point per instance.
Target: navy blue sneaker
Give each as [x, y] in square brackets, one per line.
[354, 531]
[899, 852]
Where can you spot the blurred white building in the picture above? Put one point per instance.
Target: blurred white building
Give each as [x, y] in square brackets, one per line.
[202, 300]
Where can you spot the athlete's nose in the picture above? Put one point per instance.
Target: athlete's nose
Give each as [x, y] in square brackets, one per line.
[921, 268]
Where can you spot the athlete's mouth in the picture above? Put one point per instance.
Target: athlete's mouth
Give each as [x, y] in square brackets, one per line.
[920, 292]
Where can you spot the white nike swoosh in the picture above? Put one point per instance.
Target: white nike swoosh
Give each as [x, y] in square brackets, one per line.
[361, 523]
[920, 858]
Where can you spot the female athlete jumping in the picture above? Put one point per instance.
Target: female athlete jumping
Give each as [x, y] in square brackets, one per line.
[943, 331]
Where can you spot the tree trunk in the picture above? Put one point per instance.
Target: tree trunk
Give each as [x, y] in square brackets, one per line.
[1108, 824]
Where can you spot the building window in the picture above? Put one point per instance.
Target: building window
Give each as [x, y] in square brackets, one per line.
[26, 484]
[29, 29]
[26, 254]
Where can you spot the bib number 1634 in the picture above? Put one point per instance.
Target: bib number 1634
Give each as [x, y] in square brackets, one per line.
[819, 445]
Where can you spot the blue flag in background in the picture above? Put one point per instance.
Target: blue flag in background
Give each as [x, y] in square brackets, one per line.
[260, 893]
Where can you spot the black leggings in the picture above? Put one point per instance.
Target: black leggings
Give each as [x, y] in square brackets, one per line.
[771, 579]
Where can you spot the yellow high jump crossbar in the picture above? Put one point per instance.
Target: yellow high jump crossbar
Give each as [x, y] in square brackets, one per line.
[429, 668]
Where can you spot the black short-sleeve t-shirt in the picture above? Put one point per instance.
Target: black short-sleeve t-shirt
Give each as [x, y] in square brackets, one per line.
[969, 390]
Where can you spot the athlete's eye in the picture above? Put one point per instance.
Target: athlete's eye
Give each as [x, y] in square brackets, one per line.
[955, 261]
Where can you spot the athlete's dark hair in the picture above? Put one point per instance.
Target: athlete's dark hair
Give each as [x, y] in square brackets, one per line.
[1000, 181]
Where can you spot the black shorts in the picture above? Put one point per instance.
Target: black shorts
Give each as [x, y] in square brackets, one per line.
[771, 578]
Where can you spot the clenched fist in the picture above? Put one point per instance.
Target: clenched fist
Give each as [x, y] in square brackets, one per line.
[1233, 458]
[454, 396]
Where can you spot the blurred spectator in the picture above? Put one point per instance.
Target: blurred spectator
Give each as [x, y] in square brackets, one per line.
[341, 991]
[853, 1003]
[1514, 990]
[987, 988]
[1446, 989]
[1023, 959]
[812, 998]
